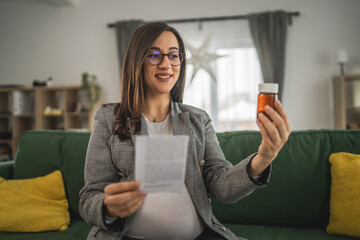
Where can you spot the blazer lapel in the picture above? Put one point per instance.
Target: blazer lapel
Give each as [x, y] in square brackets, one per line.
[181, 126]
[143, 131]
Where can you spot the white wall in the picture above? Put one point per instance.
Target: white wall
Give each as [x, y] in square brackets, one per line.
[39, 40]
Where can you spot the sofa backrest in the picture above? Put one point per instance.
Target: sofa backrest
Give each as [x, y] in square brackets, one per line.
[43, 151]
[298, 193]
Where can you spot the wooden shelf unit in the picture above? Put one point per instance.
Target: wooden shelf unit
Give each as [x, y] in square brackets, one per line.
[346, 90]
[6, 122]
[66, 99]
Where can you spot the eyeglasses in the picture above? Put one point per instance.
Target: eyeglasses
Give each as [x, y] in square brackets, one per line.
[155, 58]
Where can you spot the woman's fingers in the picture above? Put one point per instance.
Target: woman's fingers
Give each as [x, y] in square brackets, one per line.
[270, 127]
[132, 208]
[279, 118]
[130, 203]
[279, 123]
[282, 113]
[120, 187]
[263, 131]
[275, 130]
[123, 205]
[129, 207]
[123, 199]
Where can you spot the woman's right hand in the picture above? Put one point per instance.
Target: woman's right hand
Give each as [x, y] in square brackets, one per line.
[123, 199]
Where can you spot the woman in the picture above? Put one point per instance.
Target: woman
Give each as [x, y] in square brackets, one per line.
[153, 81]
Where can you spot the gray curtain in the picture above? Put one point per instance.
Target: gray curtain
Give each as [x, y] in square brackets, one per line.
[268, 31]
[124, 31]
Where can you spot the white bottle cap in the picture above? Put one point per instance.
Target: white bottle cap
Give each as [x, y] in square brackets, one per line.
[268, 87]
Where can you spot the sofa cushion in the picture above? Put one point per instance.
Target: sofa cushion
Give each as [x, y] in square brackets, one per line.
[345, 194]
[299, 189]
[7, 169]
[260, 232]
[43, 151]
[73, 149]
[34, 205]
[38, 154]
[78, 230]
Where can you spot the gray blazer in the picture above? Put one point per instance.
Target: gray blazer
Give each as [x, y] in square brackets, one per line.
[110, 160]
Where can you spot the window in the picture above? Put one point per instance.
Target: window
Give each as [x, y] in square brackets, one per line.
[238, 78]
[232, 100]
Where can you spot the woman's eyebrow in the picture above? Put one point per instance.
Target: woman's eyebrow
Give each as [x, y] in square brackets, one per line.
[170, 48]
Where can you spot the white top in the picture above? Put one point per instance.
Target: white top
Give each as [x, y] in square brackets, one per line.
[165, 215]
[159, 128]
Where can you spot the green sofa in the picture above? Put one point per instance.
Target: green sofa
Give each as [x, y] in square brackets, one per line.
[294, 205]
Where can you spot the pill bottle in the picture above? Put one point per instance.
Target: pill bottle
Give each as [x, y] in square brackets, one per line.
[268, 93]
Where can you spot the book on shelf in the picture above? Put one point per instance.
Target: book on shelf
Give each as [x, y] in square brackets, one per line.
[5, 153]
[4, 157]
[23, 102]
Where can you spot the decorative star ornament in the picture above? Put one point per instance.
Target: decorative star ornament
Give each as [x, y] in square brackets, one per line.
[200, 58]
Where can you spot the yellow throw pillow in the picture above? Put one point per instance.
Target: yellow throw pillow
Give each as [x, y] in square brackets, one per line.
[34, 205]
[345, 194]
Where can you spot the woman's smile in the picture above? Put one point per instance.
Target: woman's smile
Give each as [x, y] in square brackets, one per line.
[163, 77]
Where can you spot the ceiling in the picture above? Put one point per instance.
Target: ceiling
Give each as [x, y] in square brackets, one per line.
[62, 3]
[55, 3]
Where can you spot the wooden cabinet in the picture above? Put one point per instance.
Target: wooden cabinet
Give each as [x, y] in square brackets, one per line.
[53, 107]
[346, 89]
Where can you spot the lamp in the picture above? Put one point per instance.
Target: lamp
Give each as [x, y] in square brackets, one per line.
[342, 58]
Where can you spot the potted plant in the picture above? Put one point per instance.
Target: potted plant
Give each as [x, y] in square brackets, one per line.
[91, 89]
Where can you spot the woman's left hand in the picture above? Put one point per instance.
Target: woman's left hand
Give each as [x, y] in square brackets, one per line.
[275, 131]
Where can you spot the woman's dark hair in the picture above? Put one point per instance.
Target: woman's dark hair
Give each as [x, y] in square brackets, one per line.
[128, 112]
